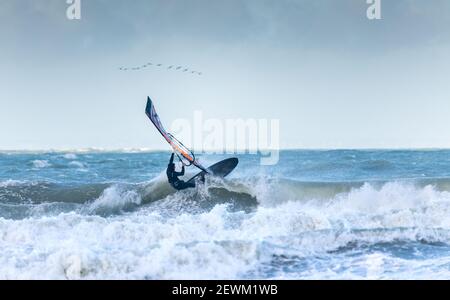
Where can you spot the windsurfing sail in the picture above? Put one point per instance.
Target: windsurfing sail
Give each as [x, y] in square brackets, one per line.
[185, 155]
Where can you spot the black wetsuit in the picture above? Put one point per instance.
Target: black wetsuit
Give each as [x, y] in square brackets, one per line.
[172, 176]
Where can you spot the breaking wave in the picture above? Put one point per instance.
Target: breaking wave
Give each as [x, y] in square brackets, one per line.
[249, 193]
[259, 228]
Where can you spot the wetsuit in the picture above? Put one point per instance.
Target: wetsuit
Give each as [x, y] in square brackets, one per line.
[172, 176]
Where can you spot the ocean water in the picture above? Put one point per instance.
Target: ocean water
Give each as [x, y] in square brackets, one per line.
[315, 215]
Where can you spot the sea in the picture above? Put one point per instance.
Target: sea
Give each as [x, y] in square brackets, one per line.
[317, 214]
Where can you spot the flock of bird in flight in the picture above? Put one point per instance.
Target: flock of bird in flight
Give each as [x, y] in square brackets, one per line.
[171, 67]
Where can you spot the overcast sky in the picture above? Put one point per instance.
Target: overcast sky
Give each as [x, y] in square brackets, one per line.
[334, 78]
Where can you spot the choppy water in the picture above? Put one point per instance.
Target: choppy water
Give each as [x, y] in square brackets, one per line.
[317, 214]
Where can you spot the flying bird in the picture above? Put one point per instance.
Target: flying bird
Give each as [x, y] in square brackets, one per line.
[181, 68]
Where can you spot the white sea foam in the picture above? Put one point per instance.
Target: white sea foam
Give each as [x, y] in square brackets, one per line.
[71, 156]
[114, 199]
[77, 164]
[11, 182]
[40, 164]
[220, 243]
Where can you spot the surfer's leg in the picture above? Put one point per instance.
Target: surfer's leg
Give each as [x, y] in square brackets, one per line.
[176, 185]
[190, 184]
[181, 185]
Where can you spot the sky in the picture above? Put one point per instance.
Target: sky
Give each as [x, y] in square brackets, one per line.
[332, 77]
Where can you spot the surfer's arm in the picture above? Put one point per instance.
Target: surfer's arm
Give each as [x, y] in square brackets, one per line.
[181, 173]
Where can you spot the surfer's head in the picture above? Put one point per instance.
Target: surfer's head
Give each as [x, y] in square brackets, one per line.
[171, 167]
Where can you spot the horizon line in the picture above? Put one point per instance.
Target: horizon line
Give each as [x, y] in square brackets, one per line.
[214, 151]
